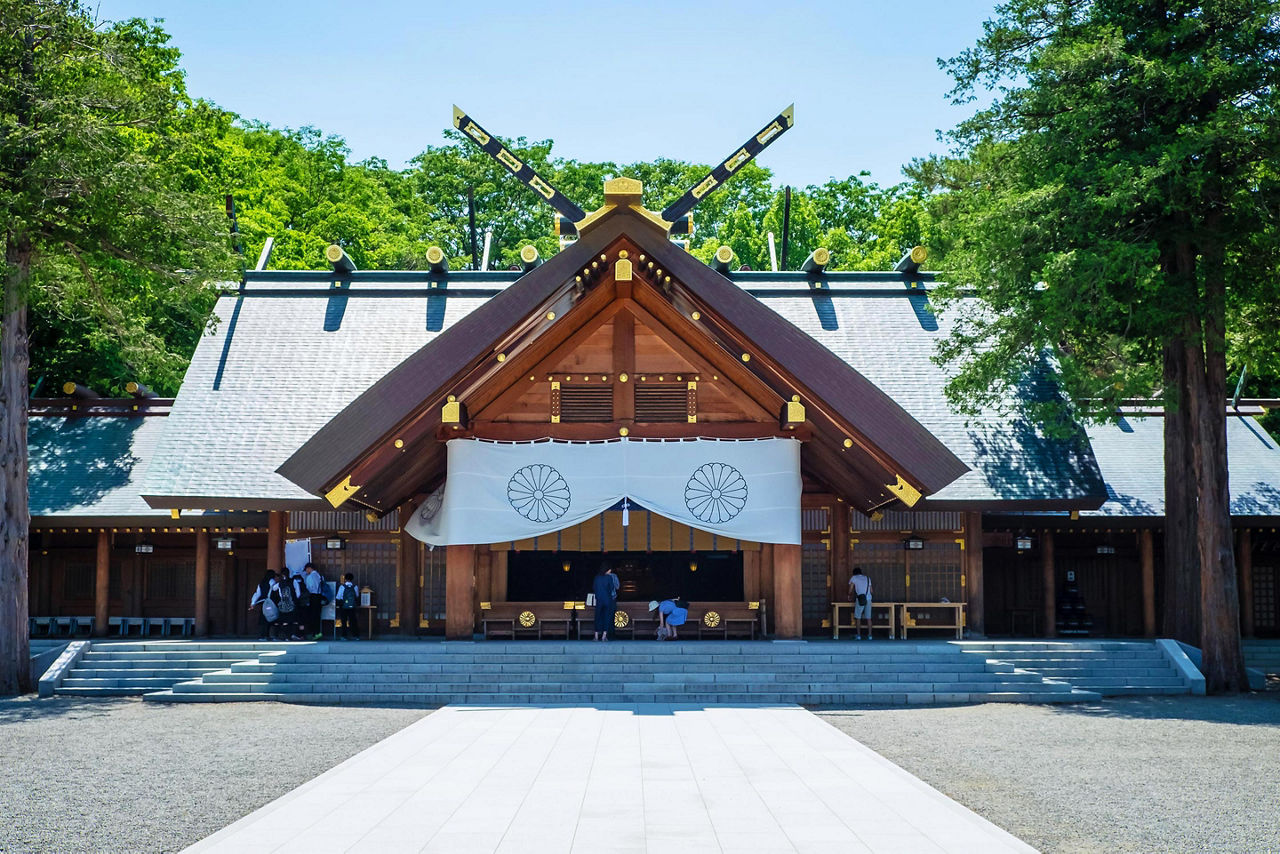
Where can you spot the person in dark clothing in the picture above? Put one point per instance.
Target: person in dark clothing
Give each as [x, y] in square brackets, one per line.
[605, 590]
[348, 605]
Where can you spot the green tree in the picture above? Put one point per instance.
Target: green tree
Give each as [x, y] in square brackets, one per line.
[99, 233]
[1099, 208]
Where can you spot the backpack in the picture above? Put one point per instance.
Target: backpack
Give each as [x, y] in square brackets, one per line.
[286, 598]
[304, 595]
[350, 596]
[269, 610]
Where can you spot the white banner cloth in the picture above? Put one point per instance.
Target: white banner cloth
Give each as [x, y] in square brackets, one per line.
[502, 491]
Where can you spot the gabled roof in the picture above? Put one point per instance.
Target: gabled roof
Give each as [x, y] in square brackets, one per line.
[290, 351]
[851, 408]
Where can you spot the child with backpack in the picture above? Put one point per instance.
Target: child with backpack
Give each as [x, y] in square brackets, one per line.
[286, 596]
[348, 604]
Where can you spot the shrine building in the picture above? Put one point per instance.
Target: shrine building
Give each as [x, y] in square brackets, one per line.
[473, 445]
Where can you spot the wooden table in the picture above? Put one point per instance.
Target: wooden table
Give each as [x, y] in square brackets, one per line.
[954, 616]
[891, 624]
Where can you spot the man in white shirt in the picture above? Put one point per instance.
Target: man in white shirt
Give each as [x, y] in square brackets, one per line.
[860, 596]
[315, 600]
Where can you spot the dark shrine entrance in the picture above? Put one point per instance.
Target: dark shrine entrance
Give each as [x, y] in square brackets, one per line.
[714, 576]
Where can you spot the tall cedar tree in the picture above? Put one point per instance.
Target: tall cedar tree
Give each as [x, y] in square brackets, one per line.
[1105, 208]
[89, 191]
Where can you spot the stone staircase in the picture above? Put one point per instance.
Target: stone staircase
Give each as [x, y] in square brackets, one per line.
[432, 673]
[1263, 655]
[1108, 668]
[120, 669]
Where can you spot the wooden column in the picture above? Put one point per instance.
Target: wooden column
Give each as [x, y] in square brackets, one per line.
[788, 594]
[1050, 586]
[202, 583]
[408, 577]
[275, 540]
[977, 604]
[102, 584]
[498, 575]
[839, 551]
[1147, 560]
[751, 575]
[459, 592]
[1244, 563]
[484, 575]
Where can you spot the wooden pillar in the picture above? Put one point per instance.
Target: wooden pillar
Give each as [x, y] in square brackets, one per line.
[839, 550]
[498, 575]
[484, 574]
[751, 575]
[976, 592]
[1244, 564]
[1050, 586]
[788, 594]
[202, 583]
[408, 576]
[459, 592]
[102, 584]
[1147, 559]
[275, 540]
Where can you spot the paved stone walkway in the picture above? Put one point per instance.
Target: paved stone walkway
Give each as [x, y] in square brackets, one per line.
[643, 778]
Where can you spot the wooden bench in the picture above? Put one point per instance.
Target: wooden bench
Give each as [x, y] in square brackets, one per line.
[725, 619]
[884, 615]
[640, 622]
[933, 615]
[545, 620]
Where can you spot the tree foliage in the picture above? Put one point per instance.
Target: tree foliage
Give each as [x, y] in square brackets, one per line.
[1116, 206]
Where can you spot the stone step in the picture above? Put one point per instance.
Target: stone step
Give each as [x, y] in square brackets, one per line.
[977, 666]
[138, 683]
[430, 699]
[157, 664]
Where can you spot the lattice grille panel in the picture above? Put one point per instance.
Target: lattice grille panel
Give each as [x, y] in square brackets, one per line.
[885, 565]
[586, 403]
[662, 403]
[1264, 598]
[936, 573]
[78, 580]
[815, 569]
[171, 579]
[433, 584]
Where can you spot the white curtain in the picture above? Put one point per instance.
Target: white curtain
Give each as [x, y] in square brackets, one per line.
[502, 491]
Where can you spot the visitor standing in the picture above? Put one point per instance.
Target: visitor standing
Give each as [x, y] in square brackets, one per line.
[605, 589]
[267, 611]
[347, 600]
[860, 596]
[313, 599]
[285, 596]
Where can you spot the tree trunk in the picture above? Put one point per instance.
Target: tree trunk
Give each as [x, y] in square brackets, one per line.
[1222, 661]
[15, 517]
[1181, 555]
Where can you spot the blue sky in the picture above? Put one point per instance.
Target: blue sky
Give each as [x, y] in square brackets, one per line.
[607, 81]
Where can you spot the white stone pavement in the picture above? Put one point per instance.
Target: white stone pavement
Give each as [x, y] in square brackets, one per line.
[642, 778]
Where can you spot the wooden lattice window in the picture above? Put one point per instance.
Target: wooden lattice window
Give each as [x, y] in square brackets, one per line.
[78, 580]
[586, 403]
[665, 403]
[171, 579]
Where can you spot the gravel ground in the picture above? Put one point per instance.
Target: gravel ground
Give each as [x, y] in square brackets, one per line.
[1151, 774]
[123, 775]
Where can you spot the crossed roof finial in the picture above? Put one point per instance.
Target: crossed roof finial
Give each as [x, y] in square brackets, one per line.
[674, 212]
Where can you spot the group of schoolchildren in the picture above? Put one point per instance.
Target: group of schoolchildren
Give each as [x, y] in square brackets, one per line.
[289, 605]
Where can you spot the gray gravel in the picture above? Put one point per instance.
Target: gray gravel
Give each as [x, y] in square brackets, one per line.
[1152, 774]
[123, 775]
